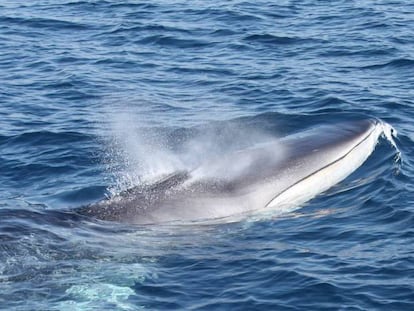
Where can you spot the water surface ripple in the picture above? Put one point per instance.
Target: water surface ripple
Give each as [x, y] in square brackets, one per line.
[96, 95]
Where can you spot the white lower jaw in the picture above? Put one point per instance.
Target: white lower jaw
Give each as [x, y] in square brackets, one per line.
[332, 174]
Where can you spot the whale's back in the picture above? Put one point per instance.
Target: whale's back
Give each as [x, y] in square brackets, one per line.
[248, 180]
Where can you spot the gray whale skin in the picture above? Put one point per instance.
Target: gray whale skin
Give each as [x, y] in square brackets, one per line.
[277, 176]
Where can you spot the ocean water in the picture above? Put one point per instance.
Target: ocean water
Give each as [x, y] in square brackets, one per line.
[97, 96]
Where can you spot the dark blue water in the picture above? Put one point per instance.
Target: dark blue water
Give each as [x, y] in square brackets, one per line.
[95, 97]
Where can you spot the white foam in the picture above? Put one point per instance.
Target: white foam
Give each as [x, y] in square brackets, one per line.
[95, 290]
[94, 296]
[389, 133]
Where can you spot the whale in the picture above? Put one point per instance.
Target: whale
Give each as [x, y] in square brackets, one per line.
[279, 175]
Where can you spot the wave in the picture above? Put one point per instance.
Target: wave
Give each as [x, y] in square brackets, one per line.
[399, 63]
[44, 23]
[277, 40]
[38, 138]
[170, 41]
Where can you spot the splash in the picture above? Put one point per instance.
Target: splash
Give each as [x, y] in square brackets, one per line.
[389, 134]
[136, 155]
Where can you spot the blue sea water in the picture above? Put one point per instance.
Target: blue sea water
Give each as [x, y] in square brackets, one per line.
[96, 96]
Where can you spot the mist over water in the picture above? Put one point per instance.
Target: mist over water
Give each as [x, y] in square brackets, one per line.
[137, 155]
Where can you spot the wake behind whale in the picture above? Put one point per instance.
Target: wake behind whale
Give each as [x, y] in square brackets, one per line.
[277, 175]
